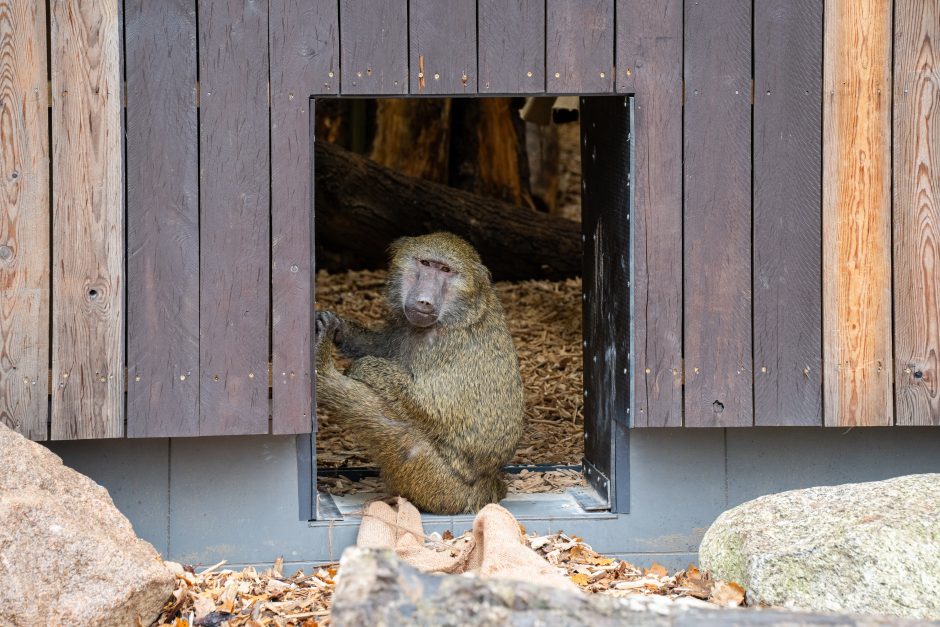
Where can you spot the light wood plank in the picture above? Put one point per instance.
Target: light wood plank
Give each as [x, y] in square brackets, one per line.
[88, 222]
[24, 219]
[857, 213]
[917, 211]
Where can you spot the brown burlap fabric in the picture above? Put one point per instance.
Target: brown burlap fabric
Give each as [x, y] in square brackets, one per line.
[496, 547]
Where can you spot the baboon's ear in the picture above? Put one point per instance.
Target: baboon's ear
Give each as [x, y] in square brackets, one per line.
[395, 247]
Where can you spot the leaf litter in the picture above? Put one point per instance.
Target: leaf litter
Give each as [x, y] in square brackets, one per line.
[219, 597]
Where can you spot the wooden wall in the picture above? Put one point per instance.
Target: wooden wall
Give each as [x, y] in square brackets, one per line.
[785, 226]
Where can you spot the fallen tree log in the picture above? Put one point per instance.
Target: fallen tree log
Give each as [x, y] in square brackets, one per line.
[361, 207]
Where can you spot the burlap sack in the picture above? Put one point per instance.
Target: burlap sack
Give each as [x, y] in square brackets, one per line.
[495, 549]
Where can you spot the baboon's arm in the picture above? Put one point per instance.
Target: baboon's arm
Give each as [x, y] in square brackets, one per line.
[355, 340]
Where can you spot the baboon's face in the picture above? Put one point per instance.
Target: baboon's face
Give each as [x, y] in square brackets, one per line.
[427, 287]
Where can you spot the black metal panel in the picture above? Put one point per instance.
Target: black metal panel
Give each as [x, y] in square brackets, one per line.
[605, 220]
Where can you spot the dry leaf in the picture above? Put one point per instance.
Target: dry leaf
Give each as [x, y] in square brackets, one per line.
[727, 594]
[580, 579]
[657, 570]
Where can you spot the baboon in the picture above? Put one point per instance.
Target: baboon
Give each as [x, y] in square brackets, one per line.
[435, 395]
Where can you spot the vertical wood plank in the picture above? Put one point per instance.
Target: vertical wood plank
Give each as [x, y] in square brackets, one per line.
[162, 219]
[579, 41]
[787, 212]
[24, 219]
[649, 62]
[88, 222]
[917, 211]
[305, 39]
[717, 228]
[512, 46]
[292, 236]
[857, 213]
[443, 46]
[234, 207]
[374, 41]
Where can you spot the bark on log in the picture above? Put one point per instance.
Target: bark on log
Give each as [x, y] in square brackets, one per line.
[361, 207]
[376, 588]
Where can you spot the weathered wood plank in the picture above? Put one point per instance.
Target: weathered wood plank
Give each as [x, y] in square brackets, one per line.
[292, 270]
[787, 212]
[88, 222]
[717, 230]
[162, 219]
[857, 213]
[234, 212]
[649, 58]
[443, 47]
[579, 41]
[305, 41]
[917, 211]
[24, 219]
[512, 46]
[374, 40]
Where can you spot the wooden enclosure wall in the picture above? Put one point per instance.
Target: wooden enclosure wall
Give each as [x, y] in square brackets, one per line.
[784, 273]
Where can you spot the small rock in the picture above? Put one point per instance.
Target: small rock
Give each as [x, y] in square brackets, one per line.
[870, 548]
[67, 555]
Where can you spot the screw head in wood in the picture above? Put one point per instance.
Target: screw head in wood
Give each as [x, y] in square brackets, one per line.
[251, 375]
[437, 76]
[5, 252]
[557, 74]
[603, 75]
[330, 74]
[420, 74]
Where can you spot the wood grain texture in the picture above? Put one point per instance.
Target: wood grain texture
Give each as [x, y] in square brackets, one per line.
[162, 219]
[304, 37]
[443, 55]
[649, 58]
[374, 40]
[24, 219]
[717, 228]
[511, 46]
[88, 222]
[857, 214]
[292, 258]
[605, 155]
[234, 213]
[787, 212]
[917, 211]
[579, 40]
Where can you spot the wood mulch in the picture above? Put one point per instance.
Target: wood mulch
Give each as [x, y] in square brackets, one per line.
[545, 321]
[248, 598]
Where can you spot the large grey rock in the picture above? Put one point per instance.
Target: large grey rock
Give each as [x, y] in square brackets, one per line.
[377, 589]
[67, 555]
[872, 548]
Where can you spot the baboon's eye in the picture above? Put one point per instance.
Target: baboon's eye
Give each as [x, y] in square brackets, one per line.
[425, 262]
[445, 268]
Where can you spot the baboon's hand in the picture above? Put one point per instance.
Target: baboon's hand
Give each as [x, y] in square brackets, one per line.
[327, 326]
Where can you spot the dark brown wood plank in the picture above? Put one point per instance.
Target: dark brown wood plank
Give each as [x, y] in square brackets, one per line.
[88, 221]
[24, 219]
[917, 211]
[443, 46]
[605, 155]
[292, 270]
[512, 46]
[234, 211]
[787, 212]
[374, 40]
[717, 228]
[305, 42]
[857, 340]
[579, 46]
[162, 219]
[649, 58]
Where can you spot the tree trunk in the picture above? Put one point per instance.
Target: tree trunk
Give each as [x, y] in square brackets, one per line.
[362, 206]
[413, 137]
